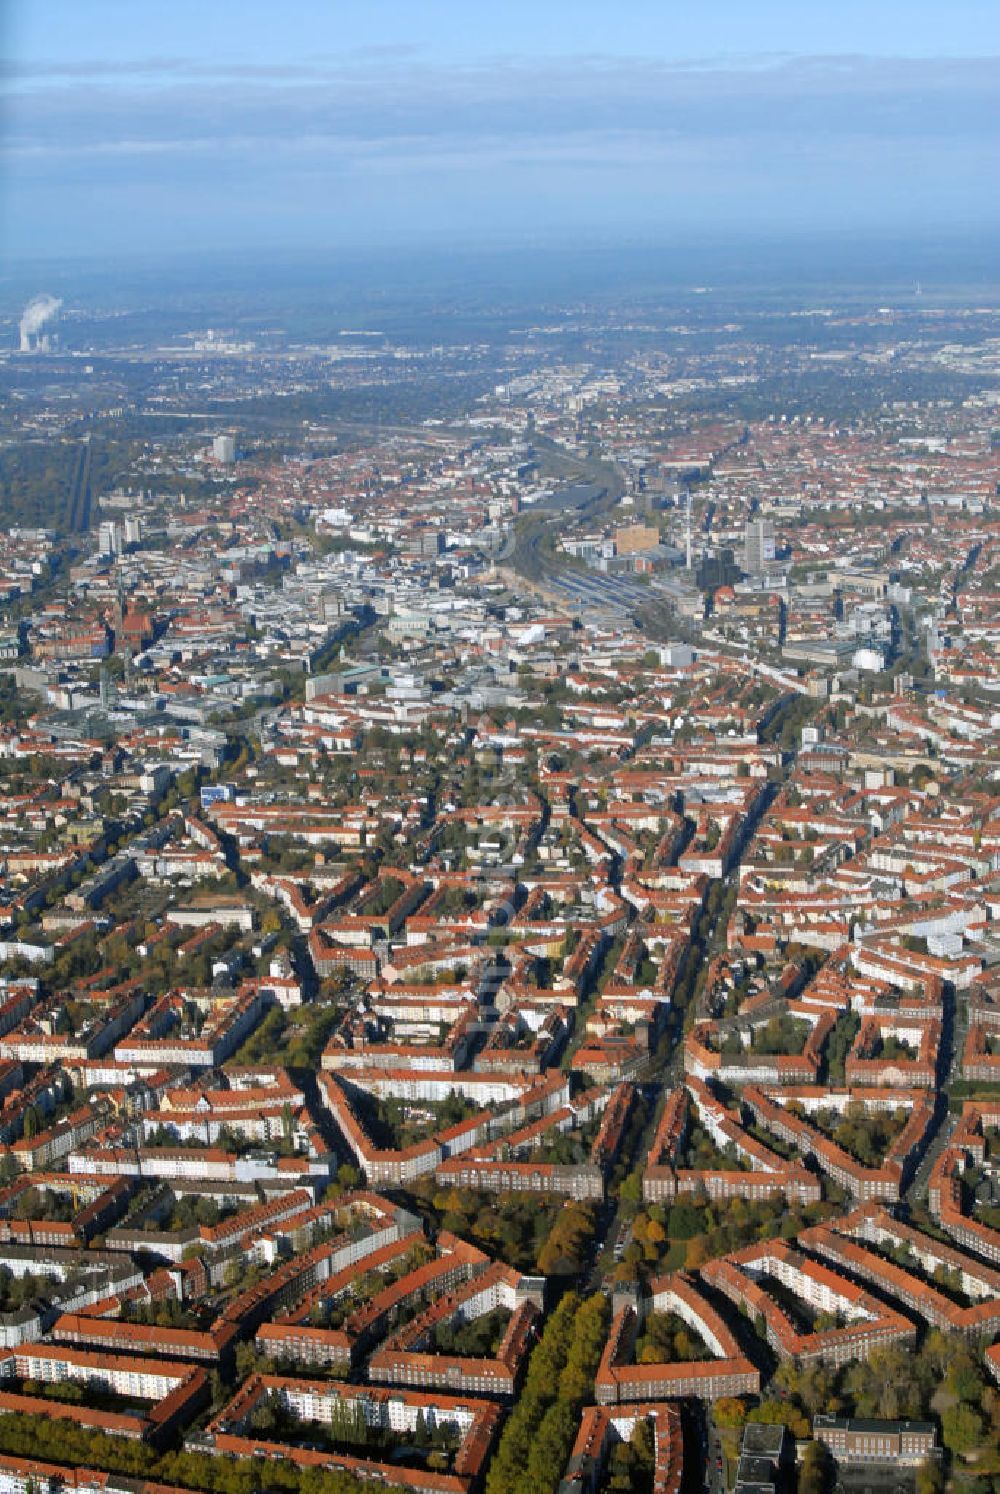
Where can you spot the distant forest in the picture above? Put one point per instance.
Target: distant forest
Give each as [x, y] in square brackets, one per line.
[35, 482]
[36, 478]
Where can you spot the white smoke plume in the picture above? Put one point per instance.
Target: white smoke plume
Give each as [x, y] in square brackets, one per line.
[35, 315]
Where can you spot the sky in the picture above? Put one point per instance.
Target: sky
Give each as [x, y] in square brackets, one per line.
[135, 128]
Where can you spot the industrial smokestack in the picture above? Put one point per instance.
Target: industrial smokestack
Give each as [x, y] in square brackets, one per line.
[37, 312]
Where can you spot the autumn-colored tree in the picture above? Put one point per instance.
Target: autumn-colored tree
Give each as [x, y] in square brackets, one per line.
[730, 1411]
[696, 1253]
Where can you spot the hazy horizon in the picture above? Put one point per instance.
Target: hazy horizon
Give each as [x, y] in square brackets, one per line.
[227, 129]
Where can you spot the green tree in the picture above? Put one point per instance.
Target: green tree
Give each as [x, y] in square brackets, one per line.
[814, 1473]
[961, 1428]
[930, 1477]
